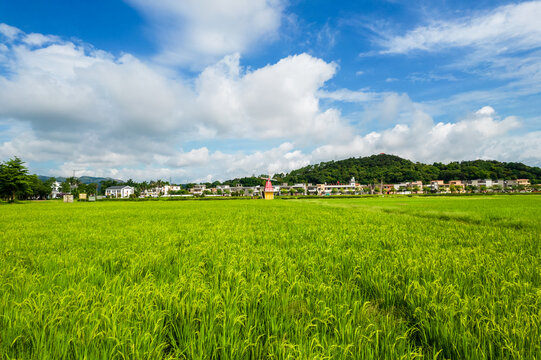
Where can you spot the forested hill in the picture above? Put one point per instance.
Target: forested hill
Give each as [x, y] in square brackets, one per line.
[393, 169]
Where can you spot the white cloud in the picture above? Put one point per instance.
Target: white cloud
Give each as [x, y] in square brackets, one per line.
[63, 86]
[83, 108]
[423, 140]
[195, 157]
[482, 134]
[39, 39]
[77, 88]
[500, 46]
[486, 111]
[88, 109]
[346, 95]
[276, 101]
[202, 31]
[507, 28]
[9, 32]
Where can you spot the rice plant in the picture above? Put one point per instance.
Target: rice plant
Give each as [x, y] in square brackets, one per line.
[381, 278]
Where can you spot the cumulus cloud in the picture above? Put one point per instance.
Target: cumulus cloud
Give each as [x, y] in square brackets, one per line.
[479, 135]
[202, 31]
[424, 140]
[77, 107]
[279, 100]
[74, 86]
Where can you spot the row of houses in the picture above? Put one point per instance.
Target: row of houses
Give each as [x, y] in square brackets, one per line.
[480, 184]
[327, 189]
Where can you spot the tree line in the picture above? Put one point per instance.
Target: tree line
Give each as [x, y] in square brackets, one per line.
[16, 183]
[392, 169]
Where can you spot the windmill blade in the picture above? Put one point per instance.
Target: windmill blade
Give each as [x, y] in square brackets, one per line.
[268, 178]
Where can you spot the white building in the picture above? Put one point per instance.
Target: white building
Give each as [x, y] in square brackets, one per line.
[119, 191]
[518, 182]
[479, 182]
[164, 190]
[198, 189]
[327, 189]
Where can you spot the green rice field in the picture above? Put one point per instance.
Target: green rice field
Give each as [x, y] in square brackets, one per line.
[366, 278]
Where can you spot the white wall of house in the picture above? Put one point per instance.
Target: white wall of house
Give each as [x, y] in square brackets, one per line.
[124, 192]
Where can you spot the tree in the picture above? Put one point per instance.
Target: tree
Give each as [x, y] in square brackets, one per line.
[75, 192]
[65, 187]
[92, 189]
[13, 179]
[74, 184]
[37, 188]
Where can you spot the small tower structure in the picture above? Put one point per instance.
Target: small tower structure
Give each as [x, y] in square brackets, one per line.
[268, 192]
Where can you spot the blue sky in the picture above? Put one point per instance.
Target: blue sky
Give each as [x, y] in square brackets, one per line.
[205, 90]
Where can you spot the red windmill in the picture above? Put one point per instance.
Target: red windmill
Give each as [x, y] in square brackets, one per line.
[268, 192]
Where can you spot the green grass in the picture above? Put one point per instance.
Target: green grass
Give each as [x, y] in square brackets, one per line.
[382, 278]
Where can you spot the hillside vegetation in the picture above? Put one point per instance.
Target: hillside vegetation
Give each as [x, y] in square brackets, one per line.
[393, 169]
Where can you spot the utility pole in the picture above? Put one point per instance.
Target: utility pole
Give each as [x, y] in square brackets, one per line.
[74, 170]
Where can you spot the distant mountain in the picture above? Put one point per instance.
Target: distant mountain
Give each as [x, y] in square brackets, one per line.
[82, 179]
[393, 169]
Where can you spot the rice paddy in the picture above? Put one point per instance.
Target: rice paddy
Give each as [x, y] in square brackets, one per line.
[372, 278]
